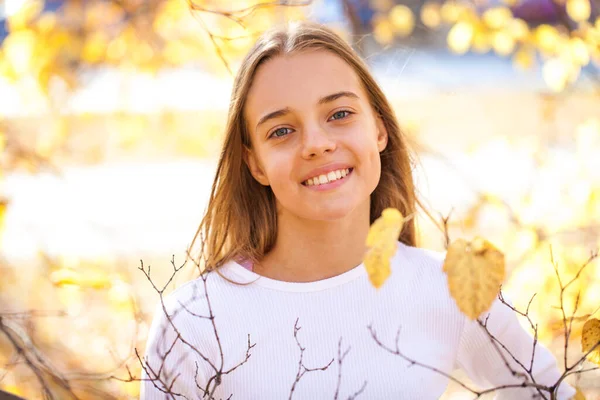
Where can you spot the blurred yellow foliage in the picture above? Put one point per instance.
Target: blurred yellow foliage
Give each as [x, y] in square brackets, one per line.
[27, 12]
[482, 40]
[460, 37]
[383, 30]
[129, 35]
[565, 52]
[403, 20]
[451, 11]
[381, 5]
[519, 29]
[497, 17]
[2, 140]
[524, 58]
[89, 278]
[431, 15]
[503, 43]
[579, 10]
[12, 389]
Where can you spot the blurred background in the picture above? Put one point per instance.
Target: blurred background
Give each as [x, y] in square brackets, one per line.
[111, 119]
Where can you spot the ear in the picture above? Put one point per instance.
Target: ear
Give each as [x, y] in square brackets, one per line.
[255, 167]
[382, 135]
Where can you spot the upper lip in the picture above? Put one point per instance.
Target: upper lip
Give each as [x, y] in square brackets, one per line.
[324, 170]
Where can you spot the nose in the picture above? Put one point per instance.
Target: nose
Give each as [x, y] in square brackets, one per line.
[316, 142]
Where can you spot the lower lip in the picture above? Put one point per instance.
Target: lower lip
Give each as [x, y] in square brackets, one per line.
[330, 185]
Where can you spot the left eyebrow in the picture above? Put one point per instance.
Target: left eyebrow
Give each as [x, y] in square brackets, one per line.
[335, 96]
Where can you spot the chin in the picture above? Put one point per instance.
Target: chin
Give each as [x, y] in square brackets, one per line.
[332, 213]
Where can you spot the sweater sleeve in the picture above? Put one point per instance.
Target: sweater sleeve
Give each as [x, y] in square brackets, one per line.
[480, 359]
[170, 365]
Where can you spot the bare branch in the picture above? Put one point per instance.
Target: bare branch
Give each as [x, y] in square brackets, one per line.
[396, 351]
[339, 380]
[302, 369]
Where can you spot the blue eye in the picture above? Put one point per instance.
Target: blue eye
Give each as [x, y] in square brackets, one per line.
[340, 114]
[280, 132]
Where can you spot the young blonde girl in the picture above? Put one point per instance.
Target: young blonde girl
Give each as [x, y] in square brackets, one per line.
[312, 155]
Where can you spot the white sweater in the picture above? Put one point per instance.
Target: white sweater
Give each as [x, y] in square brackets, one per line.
[415, 299]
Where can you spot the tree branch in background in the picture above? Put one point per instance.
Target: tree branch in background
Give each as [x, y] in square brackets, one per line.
[24, 349]
[156, 375]
[236, 16]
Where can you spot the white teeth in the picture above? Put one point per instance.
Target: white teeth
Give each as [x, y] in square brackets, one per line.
[329, 177]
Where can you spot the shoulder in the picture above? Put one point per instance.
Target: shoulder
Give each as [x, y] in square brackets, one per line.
[188, 302]
[422, 271]
[422, 261]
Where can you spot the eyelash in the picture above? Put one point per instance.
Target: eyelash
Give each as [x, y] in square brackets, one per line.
[348, 113]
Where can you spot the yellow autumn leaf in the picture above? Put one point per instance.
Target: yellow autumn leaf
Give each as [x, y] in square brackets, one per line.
[475, 272]
[382, 241]
[590, 337]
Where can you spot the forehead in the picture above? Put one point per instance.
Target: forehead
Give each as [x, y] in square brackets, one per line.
[299, 79]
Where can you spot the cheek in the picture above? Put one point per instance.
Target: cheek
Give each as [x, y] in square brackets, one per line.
[278, 170]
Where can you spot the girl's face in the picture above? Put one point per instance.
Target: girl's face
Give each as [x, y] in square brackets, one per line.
[315, 138]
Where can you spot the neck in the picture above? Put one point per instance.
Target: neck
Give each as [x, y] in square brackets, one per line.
[307, 250]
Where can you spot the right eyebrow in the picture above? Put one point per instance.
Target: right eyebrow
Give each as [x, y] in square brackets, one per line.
[272, 115]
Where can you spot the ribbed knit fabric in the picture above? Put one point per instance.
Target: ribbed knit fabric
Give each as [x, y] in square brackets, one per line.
[415, 300]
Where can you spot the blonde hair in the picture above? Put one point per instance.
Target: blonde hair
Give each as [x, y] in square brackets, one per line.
[241, 219]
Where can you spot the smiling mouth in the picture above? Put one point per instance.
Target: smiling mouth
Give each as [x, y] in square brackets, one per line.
[329, 177]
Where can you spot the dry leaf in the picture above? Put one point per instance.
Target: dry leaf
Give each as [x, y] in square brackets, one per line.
[382, 241]
[475, 272]
[590, 338]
